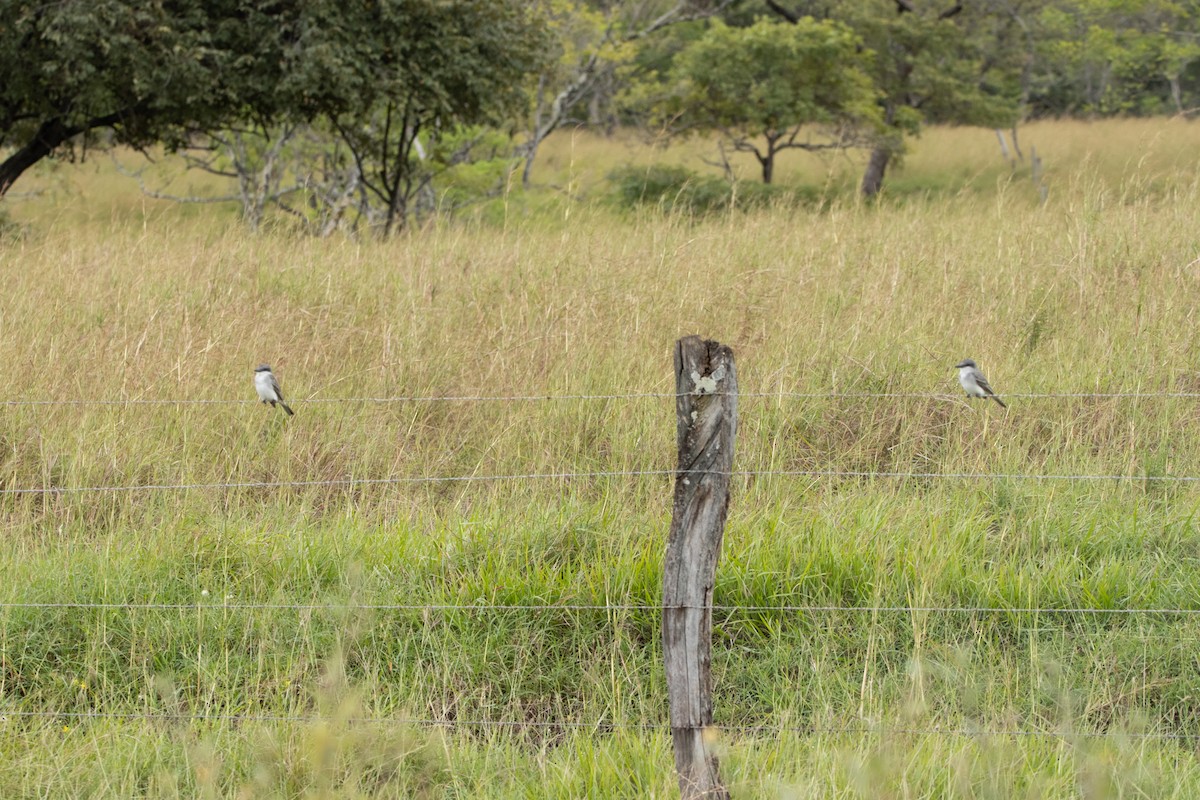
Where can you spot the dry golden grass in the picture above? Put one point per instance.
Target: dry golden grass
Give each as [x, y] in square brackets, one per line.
[943, 159]
[857, 298]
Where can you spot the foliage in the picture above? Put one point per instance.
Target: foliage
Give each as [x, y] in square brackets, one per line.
[767, 86]
[149, 71]
[584, 41]
[475, 163]
[1108, 57]
[384, 74]
[679, 189]
[929, 69]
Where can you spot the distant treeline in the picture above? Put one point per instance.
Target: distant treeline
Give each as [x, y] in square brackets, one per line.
[372, 114]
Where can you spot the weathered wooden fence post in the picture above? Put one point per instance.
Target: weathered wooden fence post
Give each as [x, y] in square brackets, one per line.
[706, 383]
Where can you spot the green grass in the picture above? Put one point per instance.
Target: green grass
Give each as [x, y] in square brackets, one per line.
[307, 692]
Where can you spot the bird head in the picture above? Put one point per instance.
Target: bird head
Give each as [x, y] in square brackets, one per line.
[966, 362]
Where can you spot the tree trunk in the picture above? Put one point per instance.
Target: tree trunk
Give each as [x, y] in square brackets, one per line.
[397, 211]
[530, 155]
[767, 159]
[876, 168]
[561, 104]
[49, 137]
[397, 199]
[1176, 92]
[1003, 146]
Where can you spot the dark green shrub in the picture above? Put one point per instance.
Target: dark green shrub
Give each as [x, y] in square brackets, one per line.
[676, 188]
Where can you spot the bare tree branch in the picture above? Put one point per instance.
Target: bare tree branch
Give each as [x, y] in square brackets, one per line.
[254, 157]
[790, 16]
[160, 195]
[950, 12]
[577, 88]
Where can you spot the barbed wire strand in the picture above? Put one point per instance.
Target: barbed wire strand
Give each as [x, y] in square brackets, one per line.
[218, 605]
[519, 398]
[419, 479]
[585, 725]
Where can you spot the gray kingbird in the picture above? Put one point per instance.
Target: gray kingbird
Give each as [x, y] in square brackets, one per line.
[268, 388]
[973, 382]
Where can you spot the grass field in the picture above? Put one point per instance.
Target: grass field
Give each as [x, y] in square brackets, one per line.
[252, 668]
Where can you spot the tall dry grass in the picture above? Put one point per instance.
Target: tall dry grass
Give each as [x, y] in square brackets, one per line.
[941, 160]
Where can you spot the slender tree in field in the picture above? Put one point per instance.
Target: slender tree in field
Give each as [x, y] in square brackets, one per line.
[416, 71]
[770, 87]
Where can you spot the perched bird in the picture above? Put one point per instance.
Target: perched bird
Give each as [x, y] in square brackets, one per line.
[973, 382]
[268, 388]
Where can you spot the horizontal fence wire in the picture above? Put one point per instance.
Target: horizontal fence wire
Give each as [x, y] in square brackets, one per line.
[529, 398]
[219, 605]
[343, 482]
[855, 730]
[550, 476]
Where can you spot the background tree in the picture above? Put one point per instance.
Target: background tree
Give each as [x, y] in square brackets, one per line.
[255, 159]
[147, 73]
[360, 107]
[383, 74]
[927, 67]
[593, 41]
[417, 69]
[1104, 57]
[770, 87]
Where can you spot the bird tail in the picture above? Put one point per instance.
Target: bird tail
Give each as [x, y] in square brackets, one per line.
[994, 397]
[293, 413]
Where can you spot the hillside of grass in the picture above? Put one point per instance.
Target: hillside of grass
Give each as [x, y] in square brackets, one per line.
[345, 622]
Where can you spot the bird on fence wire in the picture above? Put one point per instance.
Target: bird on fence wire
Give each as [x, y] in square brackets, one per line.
[268, 388]
[974, 383]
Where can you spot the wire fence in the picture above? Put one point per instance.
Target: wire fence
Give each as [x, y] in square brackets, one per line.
[351, 482]
[529, 398]
[593, 726]
[568, 476]
[482, 606]
[608, 608]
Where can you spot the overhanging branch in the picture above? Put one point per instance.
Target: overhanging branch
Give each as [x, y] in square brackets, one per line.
[53, 134]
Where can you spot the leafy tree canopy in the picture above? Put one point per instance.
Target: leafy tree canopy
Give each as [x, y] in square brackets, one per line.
[760, 86]
[155, 71]
[387, 74]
